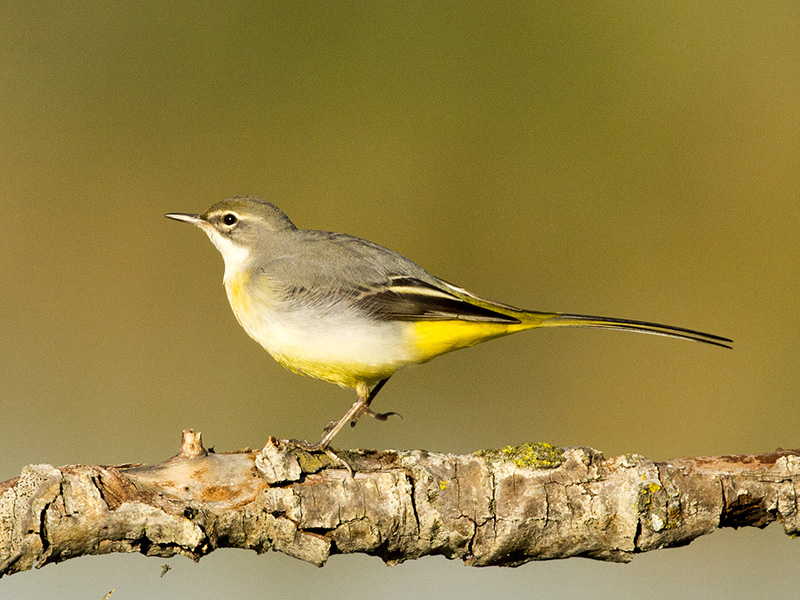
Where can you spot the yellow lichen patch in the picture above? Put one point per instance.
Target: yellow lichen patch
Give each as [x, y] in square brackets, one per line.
[660, 513]
[540, 455]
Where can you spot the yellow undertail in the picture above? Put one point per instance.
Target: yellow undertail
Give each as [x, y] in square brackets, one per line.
[432, 338]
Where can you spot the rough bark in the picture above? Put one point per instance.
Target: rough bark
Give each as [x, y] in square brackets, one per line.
[498, 507]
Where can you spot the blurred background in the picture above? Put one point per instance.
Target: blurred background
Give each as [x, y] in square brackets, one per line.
[638, 160]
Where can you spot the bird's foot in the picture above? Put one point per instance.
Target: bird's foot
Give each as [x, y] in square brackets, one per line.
[366, 410]
[303, 445]
[320, 446]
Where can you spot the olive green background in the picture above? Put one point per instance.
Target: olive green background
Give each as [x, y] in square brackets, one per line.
[639, 160]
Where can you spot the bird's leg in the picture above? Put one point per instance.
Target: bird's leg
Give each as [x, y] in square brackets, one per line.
[365, 396]
[360, 407]
[363, 392]
[353, 413]
[330, 432]
[374, 391]
[366, 410]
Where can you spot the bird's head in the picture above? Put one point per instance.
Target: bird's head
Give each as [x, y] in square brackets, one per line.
[238, 227]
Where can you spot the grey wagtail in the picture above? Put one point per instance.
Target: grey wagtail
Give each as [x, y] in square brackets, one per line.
[351, 312]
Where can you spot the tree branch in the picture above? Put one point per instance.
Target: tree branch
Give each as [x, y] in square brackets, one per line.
[498, 507]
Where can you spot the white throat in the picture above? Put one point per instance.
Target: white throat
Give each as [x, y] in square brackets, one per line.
[235, 256]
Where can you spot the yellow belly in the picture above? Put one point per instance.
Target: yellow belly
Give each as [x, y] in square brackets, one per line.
[345, 374]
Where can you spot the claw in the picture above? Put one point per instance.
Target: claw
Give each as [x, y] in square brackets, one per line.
[365, 410]
[319, 447]
[338, 459]
[302, 444]
[329, 427]
[384, 416]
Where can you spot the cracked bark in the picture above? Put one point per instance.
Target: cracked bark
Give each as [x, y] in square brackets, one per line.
[501, 507]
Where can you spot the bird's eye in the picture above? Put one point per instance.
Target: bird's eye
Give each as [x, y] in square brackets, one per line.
[229, 219]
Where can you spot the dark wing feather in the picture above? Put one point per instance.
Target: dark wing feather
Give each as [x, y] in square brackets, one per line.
[411, 299]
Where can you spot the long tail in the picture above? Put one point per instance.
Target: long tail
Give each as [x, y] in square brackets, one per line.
[508, 319]
[565, 320]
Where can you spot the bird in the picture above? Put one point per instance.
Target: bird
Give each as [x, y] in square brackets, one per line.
[351, 312]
